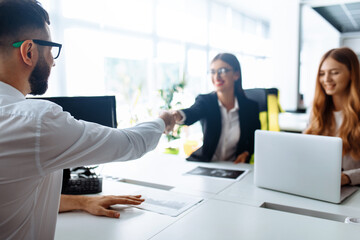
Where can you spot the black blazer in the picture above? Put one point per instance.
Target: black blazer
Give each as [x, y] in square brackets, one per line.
[206, 109]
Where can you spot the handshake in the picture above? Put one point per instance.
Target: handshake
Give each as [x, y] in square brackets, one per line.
[170, 118]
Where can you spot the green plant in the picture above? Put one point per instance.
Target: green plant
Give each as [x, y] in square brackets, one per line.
[167, 95]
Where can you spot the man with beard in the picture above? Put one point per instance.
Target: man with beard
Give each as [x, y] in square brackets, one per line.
[39, 77]
[38, 139]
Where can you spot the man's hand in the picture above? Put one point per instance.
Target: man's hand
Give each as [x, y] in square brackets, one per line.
[97, 205]
[169, 120]
[242, 157]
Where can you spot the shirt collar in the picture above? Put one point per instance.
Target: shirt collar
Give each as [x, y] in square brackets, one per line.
[7, 90]
[235, 108]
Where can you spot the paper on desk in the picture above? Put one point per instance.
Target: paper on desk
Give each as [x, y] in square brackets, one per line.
[165, 202]
[235, 174]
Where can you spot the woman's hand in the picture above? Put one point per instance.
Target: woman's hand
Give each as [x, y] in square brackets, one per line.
[177, 116]
[344, 179]
[242, 157]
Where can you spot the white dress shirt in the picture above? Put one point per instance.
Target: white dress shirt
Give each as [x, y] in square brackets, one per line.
[230, 134]
[37, 141]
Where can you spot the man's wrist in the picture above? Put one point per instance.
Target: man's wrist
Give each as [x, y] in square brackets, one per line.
[82, 202]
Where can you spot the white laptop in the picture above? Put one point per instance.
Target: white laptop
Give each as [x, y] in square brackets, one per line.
[300, 164]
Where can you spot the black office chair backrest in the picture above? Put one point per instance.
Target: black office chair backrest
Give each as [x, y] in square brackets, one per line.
[269, 106]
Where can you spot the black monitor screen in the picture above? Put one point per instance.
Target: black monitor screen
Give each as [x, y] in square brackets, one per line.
[98, 109]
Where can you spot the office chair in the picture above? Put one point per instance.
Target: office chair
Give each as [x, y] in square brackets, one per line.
[269, 106]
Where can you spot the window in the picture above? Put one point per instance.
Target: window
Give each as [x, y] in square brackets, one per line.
[134, 15]
[131, 49]
[197, 78]
[85, 10]
[183, 20]
[169, 64]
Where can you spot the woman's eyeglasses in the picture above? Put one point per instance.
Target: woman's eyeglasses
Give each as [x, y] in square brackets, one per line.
[221, 71]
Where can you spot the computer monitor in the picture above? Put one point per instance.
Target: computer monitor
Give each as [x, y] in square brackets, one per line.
[97, 109]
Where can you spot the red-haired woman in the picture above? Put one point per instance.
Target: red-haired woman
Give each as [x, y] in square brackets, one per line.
[336, 107]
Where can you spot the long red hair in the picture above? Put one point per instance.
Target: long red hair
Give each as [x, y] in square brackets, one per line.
[322, 119]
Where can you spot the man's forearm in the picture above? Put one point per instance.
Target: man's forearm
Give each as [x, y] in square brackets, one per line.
[71, 202]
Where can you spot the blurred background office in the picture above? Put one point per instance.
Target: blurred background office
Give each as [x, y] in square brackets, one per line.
[131, 49]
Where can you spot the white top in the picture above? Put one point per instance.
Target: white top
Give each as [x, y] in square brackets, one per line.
[351, 167]
[37, 141]
[230, 134]
[338, 119]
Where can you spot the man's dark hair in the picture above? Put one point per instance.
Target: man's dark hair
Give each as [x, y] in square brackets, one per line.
[20, 16]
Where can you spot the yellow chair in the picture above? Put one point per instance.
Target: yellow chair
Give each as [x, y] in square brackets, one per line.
[191, 146]
[269, 108]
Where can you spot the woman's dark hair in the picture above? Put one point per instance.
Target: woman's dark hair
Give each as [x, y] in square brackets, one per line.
[234, 63]
[19, 16]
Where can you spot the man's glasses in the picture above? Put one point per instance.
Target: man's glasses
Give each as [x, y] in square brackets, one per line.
[55, 47]
[221, 71]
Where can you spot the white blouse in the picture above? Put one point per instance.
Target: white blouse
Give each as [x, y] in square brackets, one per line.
[230, 134]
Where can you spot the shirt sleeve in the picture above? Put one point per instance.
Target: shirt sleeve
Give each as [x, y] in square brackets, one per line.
[351, 168]
[196, 111]
[354, 175]
[64, 142]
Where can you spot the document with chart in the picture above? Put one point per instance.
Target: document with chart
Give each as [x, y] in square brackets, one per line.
[166, 202]
[219, 172]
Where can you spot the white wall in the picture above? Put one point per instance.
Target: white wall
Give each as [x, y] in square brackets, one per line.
[352, 41]
[318, 36]
[285, 36]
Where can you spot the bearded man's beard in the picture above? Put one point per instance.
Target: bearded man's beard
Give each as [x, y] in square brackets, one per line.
[39, 77]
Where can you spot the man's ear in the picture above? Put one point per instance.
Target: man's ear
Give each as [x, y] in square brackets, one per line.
[29, 53]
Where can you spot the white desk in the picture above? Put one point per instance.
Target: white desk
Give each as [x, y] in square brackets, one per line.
[132, 224]
[167, 171]
[245, 192]
[230, 209]
[227, 220]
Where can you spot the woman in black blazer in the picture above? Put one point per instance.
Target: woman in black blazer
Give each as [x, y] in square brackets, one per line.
[227, 117]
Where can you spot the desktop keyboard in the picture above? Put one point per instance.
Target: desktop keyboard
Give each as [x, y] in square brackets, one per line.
[81, 180]
[82, 186]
